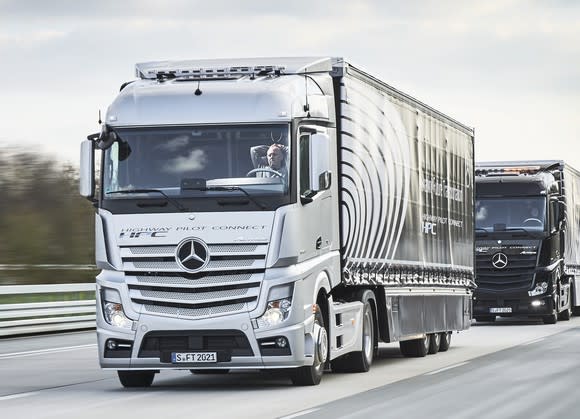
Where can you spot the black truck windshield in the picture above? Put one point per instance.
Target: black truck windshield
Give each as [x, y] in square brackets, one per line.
[501, 214]
[185, 162]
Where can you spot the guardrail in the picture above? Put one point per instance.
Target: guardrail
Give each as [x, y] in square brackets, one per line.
[46, 316]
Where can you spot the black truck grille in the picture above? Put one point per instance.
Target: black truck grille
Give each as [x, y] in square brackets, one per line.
[517, 275]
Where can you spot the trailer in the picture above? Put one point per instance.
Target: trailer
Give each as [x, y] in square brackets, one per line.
[527, 221]
[276, 213]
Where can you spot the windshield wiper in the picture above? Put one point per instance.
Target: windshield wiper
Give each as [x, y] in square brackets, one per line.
[230, 189]
[175, 203]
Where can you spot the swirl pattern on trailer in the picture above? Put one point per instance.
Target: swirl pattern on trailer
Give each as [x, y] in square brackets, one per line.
[375, 167]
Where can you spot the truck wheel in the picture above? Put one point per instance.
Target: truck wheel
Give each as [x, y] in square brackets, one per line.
[434, 343]
[361, 361]
[312, 374]
[136, 378]
[553, 318]
[415, 348]
[566, 314]
[445, 341]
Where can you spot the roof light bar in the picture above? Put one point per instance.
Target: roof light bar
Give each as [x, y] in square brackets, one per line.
[208, 72]
[515, 171]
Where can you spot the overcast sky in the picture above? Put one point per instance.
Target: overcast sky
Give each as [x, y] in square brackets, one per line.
[508, 68]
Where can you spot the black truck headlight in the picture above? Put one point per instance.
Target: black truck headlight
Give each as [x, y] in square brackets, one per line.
[540, 289]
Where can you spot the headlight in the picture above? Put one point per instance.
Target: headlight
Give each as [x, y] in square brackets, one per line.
[115, 316]
[278, 308]
[113, 309]
[541, 288]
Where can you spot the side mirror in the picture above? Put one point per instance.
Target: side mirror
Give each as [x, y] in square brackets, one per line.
[319, 162]
[87, 171]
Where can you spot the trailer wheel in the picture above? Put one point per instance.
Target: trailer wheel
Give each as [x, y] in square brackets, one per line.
[312, 374]
[136, 378]
[415, 348]
[445, 341]
[434, 343]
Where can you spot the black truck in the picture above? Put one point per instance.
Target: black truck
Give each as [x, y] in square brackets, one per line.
[527, 216]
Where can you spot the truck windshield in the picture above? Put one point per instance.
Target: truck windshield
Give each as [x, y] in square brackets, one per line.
[198, 161]
[499, 214]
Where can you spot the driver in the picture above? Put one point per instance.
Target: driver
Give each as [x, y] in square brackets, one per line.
[274, 158]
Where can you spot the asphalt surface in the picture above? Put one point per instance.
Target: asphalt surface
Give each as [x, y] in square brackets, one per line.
[510, 369]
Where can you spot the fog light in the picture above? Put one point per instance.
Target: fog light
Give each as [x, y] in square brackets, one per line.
[281, 342]
[111, 344]
[538, 303]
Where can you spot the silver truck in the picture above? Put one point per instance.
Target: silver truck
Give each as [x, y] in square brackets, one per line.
[275, 213]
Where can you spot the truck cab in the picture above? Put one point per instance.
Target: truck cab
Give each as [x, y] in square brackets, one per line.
[520, 226]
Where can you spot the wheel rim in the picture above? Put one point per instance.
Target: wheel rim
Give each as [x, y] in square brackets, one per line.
[368, 335]
[426, 342]
[437, 338]
[322, 346]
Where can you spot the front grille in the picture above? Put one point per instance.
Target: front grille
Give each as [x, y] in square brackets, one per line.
[226, 343]
[516, 276]
[229, 284]
[517, 264]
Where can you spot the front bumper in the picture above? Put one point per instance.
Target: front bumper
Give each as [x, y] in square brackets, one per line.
[516, 304]
[234, 340]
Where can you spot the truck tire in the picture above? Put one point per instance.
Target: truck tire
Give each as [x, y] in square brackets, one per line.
[445, 341]
[415, 348]
[553, 318]
[136, 378]
[434, 343]
[566, 314]
[360, 361]
[311, 375]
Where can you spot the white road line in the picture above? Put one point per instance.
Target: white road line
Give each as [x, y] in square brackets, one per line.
[45, 351]
[447, 368]
[304, 412]
[533, 341]
[17, 396]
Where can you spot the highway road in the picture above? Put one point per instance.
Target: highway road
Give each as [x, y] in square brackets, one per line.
[509, 369]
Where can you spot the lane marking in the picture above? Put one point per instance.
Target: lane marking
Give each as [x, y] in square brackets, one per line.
[46, 351]
[302, 413]
[533, 341]
[447, 368]
[17, 396]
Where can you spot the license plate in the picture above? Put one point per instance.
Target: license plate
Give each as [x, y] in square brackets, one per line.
[193, 357]
[500, 310]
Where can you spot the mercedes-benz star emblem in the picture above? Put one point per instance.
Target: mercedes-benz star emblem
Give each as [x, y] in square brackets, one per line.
[499, 260]
[192, 255]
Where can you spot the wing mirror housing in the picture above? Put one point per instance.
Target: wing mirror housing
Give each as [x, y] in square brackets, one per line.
[87, 170]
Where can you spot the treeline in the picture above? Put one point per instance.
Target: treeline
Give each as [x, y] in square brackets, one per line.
[43, 220]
